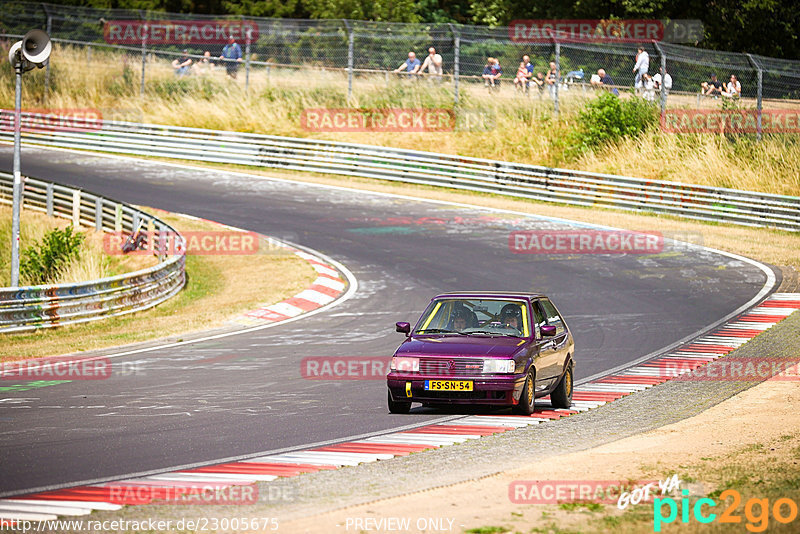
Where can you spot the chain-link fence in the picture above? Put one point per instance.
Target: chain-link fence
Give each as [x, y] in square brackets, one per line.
[364, 54]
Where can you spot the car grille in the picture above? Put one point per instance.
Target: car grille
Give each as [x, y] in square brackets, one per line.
[450, 366]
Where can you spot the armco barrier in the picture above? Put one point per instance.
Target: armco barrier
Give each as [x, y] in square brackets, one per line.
[32, 307]
[411, 166]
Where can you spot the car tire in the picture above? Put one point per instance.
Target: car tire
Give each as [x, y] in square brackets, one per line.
[561, 397]
[398, 406]
[528, 398]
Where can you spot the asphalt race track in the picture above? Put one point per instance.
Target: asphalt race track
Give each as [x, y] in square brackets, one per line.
[244, 394]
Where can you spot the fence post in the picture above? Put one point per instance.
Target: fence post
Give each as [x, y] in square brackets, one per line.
[456, 61]
[558, 75]
[247, 61]
[663, 88]
[118, 217]
[98, 214]
[47, 68]
[144, 57]
[350, 46]
[759, 94]
[49, 201]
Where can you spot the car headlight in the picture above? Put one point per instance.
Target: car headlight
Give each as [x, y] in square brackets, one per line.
[499, 366]
[404, 363]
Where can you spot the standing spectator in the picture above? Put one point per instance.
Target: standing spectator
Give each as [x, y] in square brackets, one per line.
[664, 84]
[232, 56]
[603, 79]
[411, 65]
[734, 89]
[552, 79]
[649, 88]
[641, 67]
[529, 66]
[713, 87]
[434, 64]
[182, 64]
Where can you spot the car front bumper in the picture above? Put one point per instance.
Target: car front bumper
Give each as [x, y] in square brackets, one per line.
[486, 389]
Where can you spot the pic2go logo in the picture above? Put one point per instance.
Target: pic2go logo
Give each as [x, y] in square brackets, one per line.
[756, 511]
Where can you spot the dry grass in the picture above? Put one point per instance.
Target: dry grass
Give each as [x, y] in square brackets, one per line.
[218, 288]
[525, 129]
[93, 263]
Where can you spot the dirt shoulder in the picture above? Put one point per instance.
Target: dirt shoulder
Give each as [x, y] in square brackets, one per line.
[705, 451]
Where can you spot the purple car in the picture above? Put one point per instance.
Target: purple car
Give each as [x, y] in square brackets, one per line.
[491, 348]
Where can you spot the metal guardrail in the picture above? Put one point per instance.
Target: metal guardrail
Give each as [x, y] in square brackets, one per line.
[33, 307]
[410, 166]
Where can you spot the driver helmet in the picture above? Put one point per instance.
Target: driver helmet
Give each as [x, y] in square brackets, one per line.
[509, 311]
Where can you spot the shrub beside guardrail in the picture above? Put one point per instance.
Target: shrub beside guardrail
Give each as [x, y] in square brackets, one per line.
[411, 166]
[33, 307]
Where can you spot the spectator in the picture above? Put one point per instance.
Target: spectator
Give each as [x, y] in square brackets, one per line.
[649, 88]
[182, 64]
[641, 67]
[232, 56]
[411, 65]
[734, 88]
[713, 87]
[529, 66]
[667, 81]
[521, 79]
[491, 73]
[434, 64]
[539, 82]
[552, 79]
[204, 66]
[603, 79]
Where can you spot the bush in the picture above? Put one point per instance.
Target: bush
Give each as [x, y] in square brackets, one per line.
[42, 262]
[609, 119]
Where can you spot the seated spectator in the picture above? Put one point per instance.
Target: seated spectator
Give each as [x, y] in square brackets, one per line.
[667, 81]
[734, 88]
[433, 62]
[203, 66]
[649, 88]
[521, 79]
[713, 87]
[412, 66]
[182, 64]
[529, 67]
[603, 79]
[491, 73]
[552, 79]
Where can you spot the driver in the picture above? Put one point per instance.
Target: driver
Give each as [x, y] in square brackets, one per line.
[459, 319]
[511, 315]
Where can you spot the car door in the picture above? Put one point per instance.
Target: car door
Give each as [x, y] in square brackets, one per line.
[547, 360]
[559, 342]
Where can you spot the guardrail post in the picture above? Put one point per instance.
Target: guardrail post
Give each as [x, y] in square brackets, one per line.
[247, 61]
[118, 217]
[134, 220]
[456, 61]
[76, 208]
[98, 214]
[144, 57]
[49, 199]
[350, 59]
[759, 89]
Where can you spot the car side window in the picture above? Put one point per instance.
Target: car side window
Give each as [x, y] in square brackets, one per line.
[551, 316]
[538, 318]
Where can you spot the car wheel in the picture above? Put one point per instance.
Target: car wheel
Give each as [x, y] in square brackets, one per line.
[398, 406]
[527, 399]
[561, 397]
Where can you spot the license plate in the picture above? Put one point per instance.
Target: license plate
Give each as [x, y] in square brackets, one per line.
[448, 385]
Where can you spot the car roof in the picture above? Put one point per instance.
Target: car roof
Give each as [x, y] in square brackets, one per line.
[491, 294]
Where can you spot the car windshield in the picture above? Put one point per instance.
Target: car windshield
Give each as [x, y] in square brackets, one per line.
[475, 317]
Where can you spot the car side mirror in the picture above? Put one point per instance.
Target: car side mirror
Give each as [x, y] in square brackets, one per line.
[547, 330]
[404, 328]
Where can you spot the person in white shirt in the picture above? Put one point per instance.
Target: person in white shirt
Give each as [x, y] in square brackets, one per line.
[667, 81]
[649, 88]
[433, 63]
[641, 67]
[734, 88]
